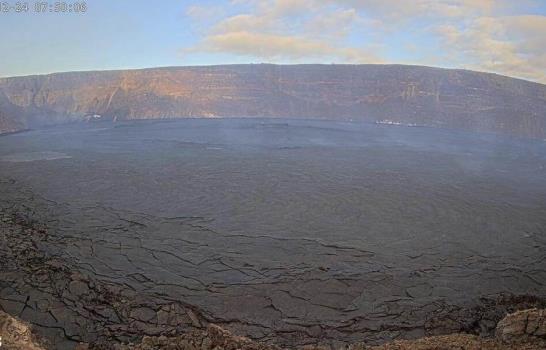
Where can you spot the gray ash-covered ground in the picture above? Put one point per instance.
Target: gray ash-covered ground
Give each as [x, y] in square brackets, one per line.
[289, 233]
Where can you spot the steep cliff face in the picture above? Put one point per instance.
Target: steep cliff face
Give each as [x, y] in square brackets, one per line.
[376, 93]
[11, 116]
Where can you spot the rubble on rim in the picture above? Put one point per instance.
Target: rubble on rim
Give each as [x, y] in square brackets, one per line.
[522, 330]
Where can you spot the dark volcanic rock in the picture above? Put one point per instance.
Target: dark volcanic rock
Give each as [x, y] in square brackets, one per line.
[296, 265]
[69, 301]
[214, 337]
[375, 93]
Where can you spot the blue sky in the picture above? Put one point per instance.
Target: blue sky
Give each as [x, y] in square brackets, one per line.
[502, 36]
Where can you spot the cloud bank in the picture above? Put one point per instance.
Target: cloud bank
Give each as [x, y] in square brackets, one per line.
[489, 35]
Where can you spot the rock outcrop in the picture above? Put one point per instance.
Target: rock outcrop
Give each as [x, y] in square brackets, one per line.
[391, 94]
[17, 335]
[523, 325]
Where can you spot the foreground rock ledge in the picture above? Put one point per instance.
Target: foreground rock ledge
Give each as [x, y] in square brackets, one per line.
[522, 330]
[16, 334]
[522, 326]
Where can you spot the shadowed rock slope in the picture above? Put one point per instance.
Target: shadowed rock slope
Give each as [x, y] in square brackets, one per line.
[413, 95]
[10, 116]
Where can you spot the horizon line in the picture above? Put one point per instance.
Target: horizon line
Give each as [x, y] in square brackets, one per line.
[265, 64]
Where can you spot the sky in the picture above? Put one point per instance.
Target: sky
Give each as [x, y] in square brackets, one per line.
[501, 36]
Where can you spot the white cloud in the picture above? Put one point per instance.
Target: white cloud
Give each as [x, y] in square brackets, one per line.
[475, 34]
[282, 47]
[244, 22]
[339, 23]
[396, 9]
[513, 45]
[281, 30]
[200, 12]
